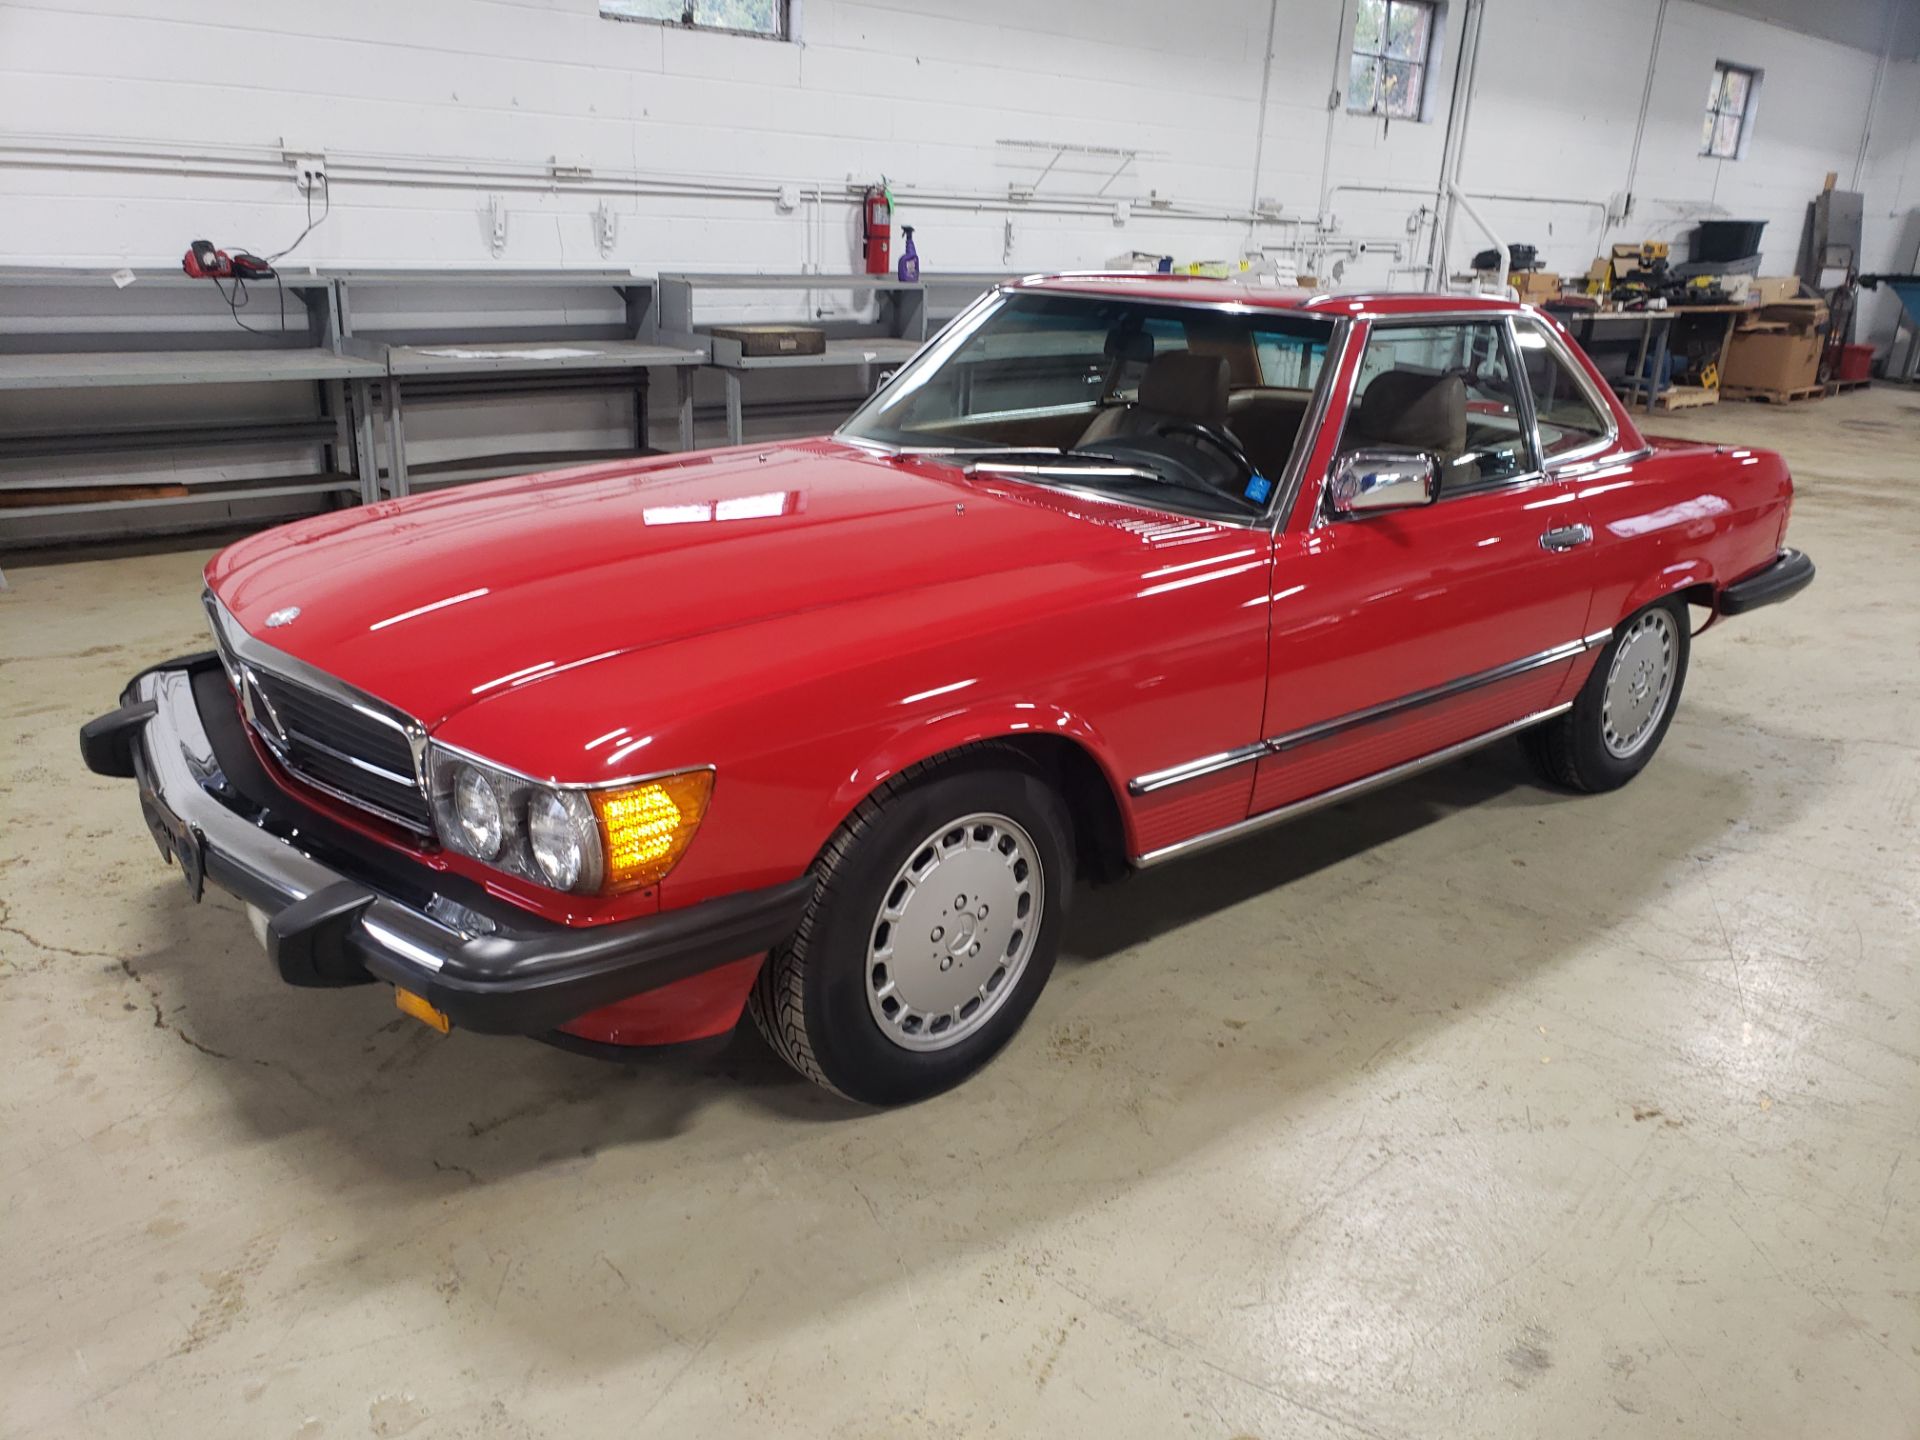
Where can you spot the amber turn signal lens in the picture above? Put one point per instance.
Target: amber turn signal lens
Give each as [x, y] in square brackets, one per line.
[422, 1009]
[647, 827]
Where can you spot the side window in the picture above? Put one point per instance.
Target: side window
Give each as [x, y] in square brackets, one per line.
[1448, 389]
[1569, 422]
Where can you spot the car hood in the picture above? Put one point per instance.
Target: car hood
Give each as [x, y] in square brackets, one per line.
[437, 602]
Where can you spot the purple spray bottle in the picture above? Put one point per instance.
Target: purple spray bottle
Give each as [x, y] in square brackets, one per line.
[909, 258]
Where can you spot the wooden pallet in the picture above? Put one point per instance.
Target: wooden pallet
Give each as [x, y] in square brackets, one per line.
[1841, 387]
[1775, 397]
[1685, 397]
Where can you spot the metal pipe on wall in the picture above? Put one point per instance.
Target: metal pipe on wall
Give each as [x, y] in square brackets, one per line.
[1260, 124]
[1453, 148]
[1646, 104]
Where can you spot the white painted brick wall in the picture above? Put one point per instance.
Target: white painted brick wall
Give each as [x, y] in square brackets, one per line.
[919, 89]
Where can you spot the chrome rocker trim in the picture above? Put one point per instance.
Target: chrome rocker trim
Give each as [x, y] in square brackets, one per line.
[1343, 792]
[1326, 729]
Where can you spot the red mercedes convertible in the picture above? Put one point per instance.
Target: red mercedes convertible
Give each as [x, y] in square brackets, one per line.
[1114, 570]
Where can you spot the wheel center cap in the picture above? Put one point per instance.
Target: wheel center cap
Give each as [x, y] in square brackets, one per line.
[964, 925]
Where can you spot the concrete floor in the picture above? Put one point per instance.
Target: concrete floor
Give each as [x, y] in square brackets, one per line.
[1464, 1110]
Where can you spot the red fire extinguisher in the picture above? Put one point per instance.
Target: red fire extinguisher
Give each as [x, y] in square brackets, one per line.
[876, 233]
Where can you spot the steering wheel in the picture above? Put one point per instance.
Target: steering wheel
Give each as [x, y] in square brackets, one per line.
[1218, 436]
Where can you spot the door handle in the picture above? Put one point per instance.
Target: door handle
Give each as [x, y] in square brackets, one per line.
[1565, 537]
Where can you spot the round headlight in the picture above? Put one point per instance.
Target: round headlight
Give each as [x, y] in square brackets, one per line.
[477, 808]
[554, 837]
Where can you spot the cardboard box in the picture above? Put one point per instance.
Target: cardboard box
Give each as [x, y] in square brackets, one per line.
[1769, 358]
[1535, 285]
[764, 340]
[1804, 316]
[1767, 289]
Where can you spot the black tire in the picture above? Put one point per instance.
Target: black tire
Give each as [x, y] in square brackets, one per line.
[1571, 750]
[811, 999]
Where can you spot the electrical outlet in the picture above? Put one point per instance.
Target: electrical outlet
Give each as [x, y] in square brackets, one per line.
[310, 174]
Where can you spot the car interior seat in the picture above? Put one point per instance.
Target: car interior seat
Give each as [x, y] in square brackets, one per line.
[1177, 386]
[1413, 410]
[1267, 422]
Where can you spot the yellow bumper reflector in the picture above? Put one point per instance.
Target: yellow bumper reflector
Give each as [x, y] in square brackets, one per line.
[648, 826]
[421, 1009]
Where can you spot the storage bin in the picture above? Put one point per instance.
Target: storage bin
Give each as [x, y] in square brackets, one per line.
[1719, 240]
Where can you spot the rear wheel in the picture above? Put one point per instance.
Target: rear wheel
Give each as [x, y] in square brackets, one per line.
[931, 934]
[1622, 712]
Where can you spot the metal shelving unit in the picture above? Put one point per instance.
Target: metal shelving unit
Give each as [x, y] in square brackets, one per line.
[72, 330]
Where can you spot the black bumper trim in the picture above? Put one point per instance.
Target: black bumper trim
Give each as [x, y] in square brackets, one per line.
[342, 910]
[525, 987]
[1789, 574]
[106, 742]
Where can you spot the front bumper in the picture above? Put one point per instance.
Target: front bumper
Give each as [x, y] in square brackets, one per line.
[343, 910]
[1785, 576]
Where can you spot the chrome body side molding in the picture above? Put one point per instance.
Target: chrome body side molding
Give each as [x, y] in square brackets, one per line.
[1343, 792]
[1274, 745]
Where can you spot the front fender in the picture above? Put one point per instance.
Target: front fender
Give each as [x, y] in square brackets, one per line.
[943, 733]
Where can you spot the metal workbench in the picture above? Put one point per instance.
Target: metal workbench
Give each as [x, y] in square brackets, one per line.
[901, 325]
[474, 360]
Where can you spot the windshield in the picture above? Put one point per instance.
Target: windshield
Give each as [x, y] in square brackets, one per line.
[1110, 393]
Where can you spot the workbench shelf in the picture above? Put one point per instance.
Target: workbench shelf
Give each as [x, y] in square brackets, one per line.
[163, 341]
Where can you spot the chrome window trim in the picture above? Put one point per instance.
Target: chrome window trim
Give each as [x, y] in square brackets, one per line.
[1326, 729]
[1279, 505]
[1503, 319]
[1338, 793]
[1557, 346]
[1308, 438]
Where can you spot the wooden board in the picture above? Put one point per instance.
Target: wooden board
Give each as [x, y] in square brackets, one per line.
[1686, 397]
[1841, 387]
[1775, 397]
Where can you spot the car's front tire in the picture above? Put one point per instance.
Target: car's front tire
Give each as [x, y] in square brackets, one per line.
[1623, 710]
[932, 931]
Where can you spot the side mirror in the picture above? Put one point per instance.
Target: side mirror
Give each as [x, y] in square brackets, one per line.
[1369, 480]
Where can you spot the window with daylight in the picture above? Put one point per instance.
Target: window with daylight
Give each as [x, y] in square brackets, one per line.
[740, 17]
[1729, 108]
[1392, 43]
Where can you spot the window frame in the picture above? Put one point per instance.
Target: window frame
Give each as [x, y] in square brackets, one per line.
[1529, 432]
[1423, 66]
[1721, 69]
[1296, 478]
[787, 13]
[1557, 347]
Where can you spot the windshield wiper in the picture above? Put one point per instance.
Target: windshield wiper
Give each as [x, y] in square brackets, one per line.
[1058, 463]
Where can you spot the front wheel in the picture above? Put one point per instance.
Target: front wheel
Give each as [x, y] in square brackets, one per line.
[1622, 712]
[931, 934]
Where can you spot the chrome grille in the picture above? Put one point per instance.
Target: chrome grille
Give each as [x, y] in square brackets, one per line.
[332, 736]
[338, 746]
